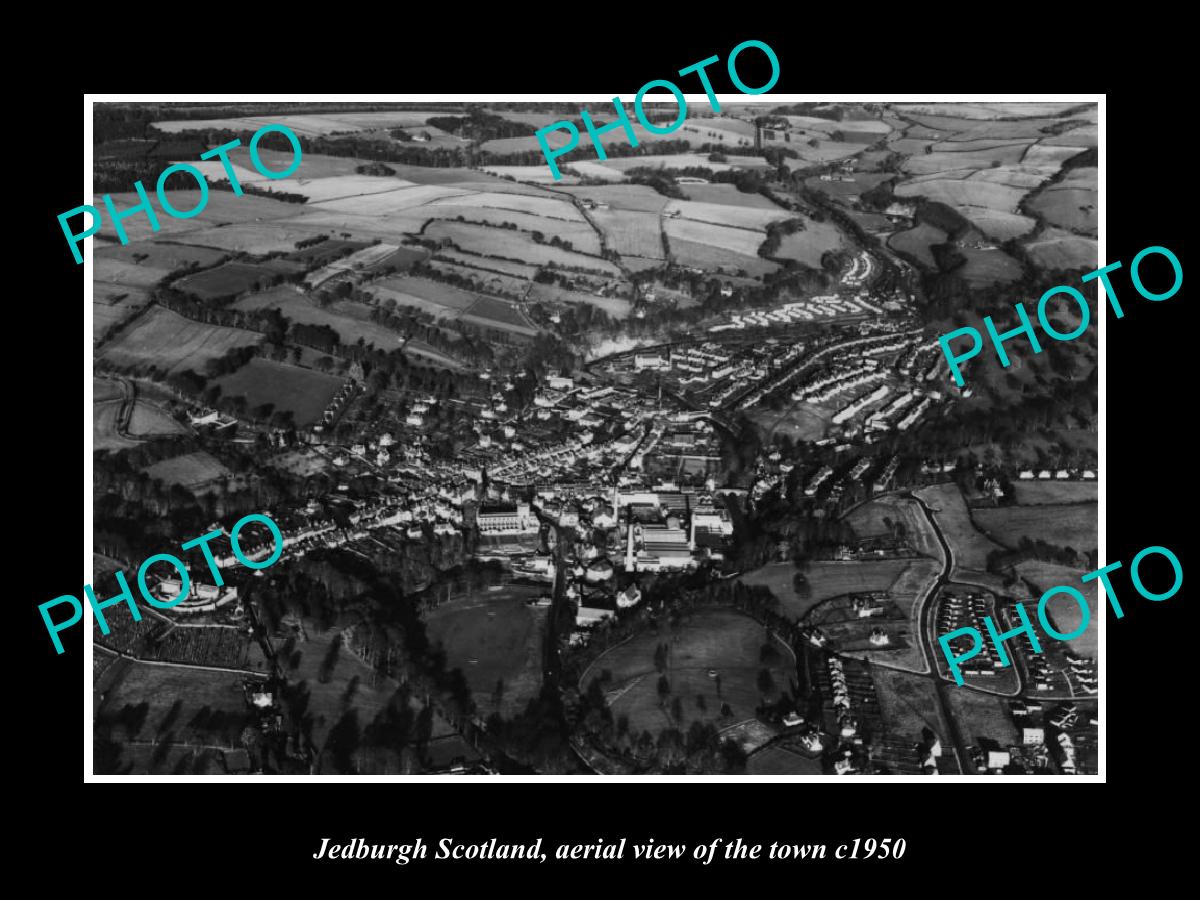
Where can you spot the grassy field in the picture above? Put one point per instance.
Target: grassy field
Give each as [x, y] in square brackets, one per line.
[617, 307]
[778, 761]
[908, 705]
[148, 420]
[335, 682]
[915, 242]
[516, 245]
[1071, 203]
[350, 320]
[728, 215]
[809, 245]
[504, 637]
[223, 208]
[630, 232]
[710, 257]
[113, 304]
[969, 545]
[827, 578]
[984, 267]
[867, 522]
[1033, 493]
[722, 640]
[302, 392]
[440, 300]
[1072, 525]
[192, 470]
[185, 705]
[159, 255]
[1064, 613]
[171, 343]
[224, 281]
[104, 427]
[982, 718]
[630, 197]
[1058, 249]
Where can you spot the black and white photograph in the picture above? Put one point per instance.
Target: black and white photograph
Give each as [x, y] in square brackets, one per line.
[546, 438]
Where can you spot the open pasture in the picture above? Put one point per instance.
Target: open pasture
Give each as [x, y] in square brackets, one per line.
[515, 245]
[496, 640]
[227, 280]
[302, 392]
[631, 233]
[710, 257]
[1071, 525]
[190, 470]
[171, 343]
[718, 640]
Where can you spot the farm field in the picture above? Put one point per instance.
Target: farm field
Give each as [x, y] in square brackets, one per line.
[684, 161]
[158, 255]
[709, 257]
[331, 683]
[502, 635]
[507, 267]
[515, 245]
[633, 197]
[984, 267]
[1064, 612]
[257, 239]
[982, 718]
[434, 297]
[735, 240]
[710, 639]
[113, 304]
[909, 705]
[302, 392]
[826, 578]
[578, 232]
[970, 547]
[348, 319]
[617, 307]
[534, 174]
[778, 761]
[225, 281]
[1071, 203]
[1058, 249]
[809, 245]
[104, 427]
[191, 470]
[1031, 493]
[915, 242]
[492, 313]
[223, 208]
[141, 702]
[725, 195]
[148, 420]
[631, 233]
[727, 215]
[998, 224]
[964, 192]
[423, 352]
[867, 521]
[167, 341]
[312, 125]
[1072, 525]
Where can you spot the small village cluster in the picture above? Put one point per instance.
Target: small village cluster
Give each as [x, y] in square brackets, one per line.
[221, 550]
[1026, 631]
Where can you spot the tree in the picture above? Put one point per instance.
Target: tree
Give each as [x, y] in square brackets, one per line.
[664, 688]
[765, 682]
